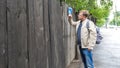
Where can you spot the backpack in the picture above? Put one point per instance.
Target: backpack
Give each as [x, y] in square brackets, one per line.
[99, 36]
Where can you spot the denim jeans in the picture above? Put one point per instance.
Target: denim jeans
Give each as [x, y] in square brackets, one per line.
[86, 57]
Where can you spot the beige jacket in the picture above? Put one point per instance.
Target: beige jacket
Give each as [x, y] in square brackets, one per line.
[88, 39]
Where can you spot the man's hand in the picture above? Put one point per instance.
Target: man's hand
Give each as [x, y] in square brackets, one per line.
[70, 16]
[89, 49]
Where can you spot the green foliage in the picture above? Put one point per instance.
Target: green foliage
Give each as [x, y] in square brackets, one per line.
[116, 20]
[100, 22]
[99, 12]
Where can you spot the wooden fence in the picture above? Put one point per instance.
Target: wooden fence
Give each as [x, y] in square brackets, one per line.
[35, 34]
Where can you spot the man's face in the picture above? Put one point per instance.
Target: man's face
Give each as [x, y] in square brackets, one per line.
[80, 16]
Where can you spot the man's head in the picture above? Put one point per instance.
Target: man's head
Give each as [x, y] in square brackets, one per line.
[83, 14]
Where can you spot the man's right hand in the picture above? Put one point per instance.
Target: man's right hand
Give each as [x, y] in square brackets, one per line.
[69, 16]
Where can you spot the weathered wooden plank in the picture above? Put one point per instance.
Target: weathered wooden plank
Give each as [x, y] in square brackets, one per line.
[47, 32]
[31, 35]
[39, 35]
[3, 44]
[37, 48]
[66, 35]
[17, 34]
[56, 29]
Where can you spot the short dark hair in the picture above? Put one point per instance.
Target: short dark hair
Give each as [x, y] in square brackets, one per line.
[85, 13]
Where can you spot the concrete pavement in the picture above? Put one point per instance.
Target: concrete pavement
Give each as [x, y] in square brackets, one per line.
[106, 54]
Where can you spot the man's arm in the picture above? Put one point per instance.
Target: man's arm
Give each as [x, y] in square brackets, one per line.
[70, 19]
[92, 35]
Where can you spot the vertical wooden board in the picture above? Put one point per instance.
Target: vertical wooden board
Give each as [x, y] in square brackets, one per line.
[31, 35]
[53, 57]
[56, 35]
[69, 36]
[65, 33]
[37, 47]
[73, 42]
[39, 35]
[66, 36]
[17, 34]
[47, 32]
[3, 44]
[50, 56]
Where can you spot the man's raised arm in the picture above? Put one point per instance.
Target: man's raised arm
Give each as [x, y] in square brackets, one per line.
[70, 19]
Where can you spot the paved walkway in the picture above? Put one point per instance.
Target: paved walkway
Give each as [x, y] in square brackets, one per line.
[106, 54]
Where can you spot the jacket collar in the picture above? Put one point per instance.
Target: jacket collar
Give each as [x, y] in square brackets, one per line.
[85, 20]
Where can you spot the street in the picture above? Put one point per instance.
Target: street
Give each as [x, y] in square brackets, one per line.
[106, 54]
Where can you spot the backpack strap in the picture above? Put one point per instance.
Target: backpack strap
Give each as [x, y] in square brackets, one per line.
[88, 26]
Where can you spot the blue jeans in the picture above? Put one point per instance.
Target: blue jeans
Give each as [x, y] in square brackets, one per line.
[86, 57]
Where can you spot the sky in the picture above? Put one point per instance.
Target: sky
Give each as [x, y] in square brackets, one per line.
[116, 3]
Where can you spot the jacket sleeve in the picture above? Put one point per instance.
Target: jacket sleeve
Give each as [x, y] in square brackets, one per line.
[92, 35]
[73, 22]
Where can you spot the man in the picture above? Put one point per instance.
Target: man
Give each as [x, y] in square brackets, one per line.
[86, 37]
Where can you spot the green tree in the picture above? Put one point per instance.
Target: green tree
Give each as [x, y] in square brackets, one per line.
[116, 20]
[99, 12]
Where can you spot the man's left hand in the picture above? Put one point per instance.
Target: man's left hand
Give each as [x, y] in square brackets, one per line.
[89, 49]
